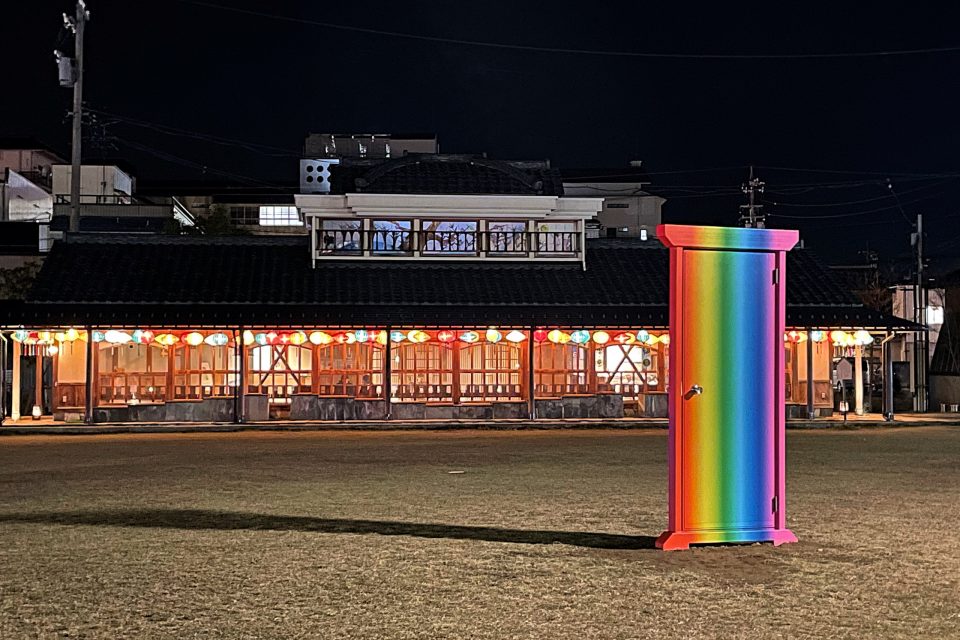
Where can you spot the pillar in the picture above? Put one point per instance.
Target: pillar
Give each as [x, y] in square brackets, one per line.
[88, 386]
[388, 371]
[15, 396]
[531, 379]
[858, 379]
[810, 410]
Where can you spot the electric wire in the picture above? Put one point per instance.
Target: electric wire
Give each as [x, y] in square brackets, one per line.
[572, 51]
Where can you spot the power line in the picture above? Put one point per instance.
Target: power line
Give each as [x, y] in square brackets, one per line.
[175, 131]
[898, 205]
[854, 202]
[591, 52]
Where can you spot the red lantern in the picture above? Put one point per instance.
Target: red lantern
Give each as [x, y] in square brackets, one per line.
[446, 336]
[540, 335]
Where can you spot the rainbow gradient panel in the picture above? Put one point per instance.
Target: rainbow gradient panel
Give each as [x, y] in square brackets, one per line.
[726, 395]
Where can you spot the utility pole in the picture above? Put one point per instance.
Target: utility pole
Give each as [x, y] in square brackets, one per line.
[750, 215]
[920, 357]
[71, 74]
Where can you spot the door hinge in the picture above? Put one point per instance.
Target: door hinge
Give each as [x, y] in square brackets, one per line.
[776, 276]
[773, 504]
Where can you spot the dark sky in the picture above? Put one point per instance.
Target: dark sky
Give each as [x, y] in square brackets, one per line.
[849, 123]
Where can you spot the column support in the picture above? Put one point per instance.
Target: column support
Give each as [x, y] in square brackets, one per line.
[15, 388]
[810, 410]
[858, 379]
[88, 379]
[531, 379]
[242, 381]
[388, 371]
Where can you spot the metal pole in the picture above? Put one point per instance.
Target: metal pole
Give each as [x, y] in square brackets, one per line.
[3, 376]
[919, 345]
[75, 168]
[858, 379]
[810, 410]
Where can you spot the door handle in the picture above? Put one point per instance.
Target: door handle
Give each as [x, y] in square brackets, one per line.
[695, 390]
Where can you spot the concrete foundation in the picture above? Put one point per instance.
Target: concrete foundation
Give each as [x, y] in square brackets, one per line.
[206, 410]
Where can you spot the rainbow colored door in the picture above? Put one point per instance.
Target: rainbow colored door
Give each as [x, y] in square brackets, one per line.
[726, 395]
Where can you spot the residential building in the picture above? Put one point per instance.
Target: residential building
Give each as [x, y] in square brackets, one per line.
[629, 210]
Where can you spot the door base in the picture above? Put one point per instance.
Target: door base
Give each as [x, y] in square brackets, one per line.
[672, 540]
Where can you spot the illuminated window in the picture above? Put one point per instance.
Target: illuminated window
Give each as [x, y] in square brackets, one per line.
[282, 216]
[507, 237]
[557, 237]
[934, 315]
[340, 236]
[392, 236]
[458, 237]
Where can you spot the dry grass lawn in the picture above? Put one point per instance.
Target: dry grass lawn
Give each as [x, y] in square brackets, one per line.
[542, 535]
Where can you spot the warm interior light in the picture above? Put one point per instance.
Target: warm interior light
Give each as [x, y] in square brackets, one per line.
[493, 336]
[446, 336]
[601, 337]
[166, 339]
[540, 335]
[117, 337]
[217, 339]
[516, 336]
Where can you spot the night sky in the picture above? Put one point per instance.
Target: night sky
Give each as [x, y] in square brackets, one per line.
[848, 123]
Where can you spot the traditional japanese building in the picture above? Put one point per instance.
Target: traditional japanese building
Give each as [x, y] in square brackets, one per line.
[428, 287]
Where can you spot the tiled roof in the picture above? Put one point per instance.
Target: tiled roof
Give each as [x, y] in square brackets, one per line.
[271, 280]
[444, 174]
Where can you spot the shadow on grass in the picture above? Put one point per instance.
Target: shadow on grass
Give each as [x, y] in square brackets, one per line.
[232, 521]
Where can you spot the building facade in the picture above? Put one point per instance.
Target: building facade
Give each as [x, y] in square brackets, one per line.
[429, 287]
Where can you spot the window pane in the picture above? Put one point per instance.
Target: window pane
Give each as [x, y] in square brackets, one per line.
[507, 237]
[392, 236]
[340, 236]
[279, 216]
[556, 237]
[457, 236]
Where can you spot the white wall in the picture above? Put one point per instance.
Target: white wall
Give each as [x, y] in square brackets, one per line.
[95, 181]
[25, 201]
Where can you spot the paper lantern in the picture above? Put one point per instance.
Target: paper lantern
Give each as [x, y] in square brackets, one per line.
[416, 336]
[651, 340]
[601, 337]
[117, 337]
[643, 336]
[321, 337]
[398, 336]
[217, 339]
[470, 337]
[818, 336]
[60, 336]
[361, 335]
[539, 335]
[493, 336]
[625, 338]
[142, 336]
[665, 339]
[298, 337]
[194, 338]
[558, 337]
[71, 335]
[863, 337]
[347, 338]
[166, 339]
[446, 336]
[99, 336]
[45, 337]
[516, 336]
[838, 337]
[580, 336]
[248, 337]
[21, 335]
[53, 350]
[381, 338]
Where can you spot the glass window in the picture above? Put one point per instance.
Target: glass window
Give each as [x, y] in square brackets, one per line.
[457, 236]
[282, 216]
[340, 236]
[392, 236]
[557, 237]
[507, 237]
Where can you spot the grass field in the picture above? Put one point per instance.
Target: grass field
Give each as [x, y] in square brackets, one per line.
[542, 535]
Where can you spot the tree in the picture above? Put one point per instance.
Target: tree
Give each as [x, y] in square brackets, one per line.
[16, 282]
